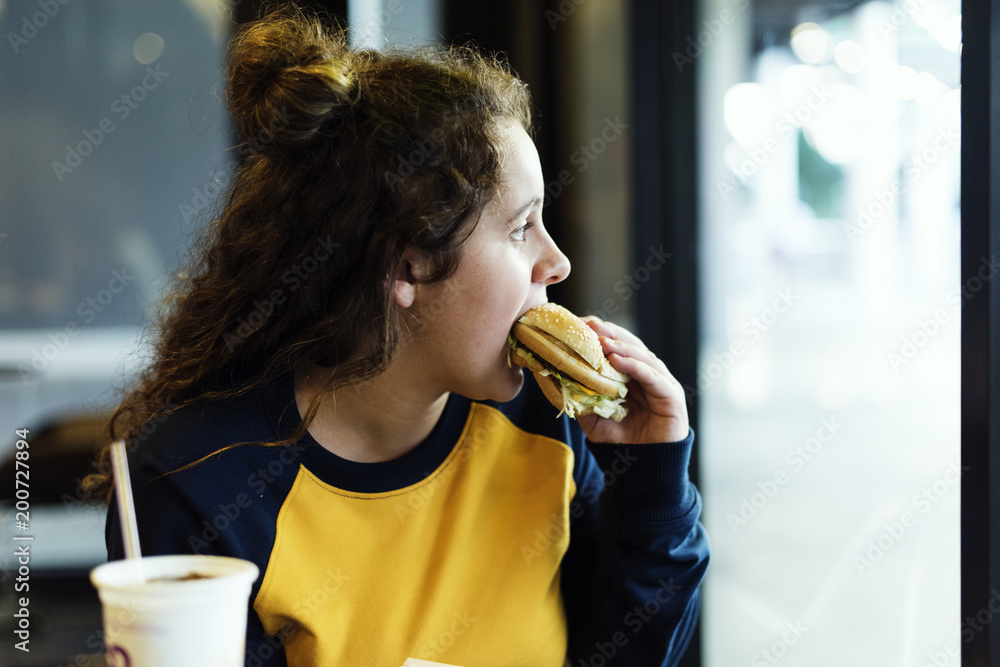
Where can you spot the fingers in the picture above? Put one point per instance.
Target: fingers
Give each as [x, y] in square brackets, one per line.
[617, 341]
[658, 412]
[627, 350]
[637, 370]
[653, 376]
[611, 330]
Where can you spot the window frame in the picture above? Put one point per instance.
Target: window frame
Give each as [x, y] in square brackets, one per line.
[980, 185]
[664, 204]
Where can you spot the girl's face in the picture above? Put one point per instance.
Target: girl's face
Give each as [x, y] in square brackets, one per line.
[506, 264]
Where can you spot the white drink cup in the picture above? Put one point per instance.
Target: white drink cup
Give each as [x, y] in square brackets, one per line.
[170, 621]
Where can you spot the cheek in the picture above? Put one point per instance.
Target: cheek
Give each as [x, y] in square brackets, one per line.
[493, 310]
[491, 313]
[510, 288]
[495, 288]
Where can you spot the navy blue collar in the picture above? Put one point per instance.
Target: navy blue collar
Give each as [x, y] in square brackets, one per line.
[379, 477]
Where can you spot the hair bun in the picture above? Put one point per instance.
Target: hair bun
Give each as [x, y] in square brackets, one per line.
[288, 77]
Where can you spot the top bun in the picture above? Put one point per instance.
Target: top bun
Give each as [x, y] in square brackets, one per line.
[560, 323]
[288, 77]
[575, 335]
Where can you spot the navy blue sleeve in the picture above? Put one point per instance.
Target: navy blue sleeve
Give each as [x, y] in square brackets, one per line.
[225, 505]
[180, 534]
[637, 554]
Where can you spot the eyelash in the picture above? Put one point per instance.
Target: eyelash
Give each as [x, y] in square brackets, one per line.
[518, 233]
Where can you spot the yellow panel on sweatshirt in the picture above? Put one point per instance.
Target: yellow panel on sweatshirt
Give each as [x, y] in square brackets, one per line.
[460, 568]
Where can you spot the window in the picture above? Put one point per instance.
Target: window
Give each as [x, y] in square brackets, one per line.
[113, 136]
[829, 362]
[113, 143]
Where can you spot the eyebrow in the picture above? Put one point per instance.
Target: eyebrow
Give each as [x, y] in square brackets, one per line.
[524, 207]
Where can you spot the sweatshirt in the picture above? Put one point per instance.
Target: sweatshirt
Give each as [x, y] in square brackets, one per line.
[504, 538]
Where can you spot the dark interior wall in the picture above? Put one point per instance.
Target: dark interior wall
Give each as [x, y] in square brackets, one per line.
[664, 167]
[519, 31]
[980, 337]
[247, 11]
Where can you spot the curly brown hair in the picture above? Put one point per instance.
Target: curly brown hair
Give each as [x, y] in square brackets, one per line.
[352, 157]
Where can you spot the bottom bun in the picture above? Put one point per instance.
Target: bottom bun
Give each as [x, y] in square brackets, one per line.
[551, 389]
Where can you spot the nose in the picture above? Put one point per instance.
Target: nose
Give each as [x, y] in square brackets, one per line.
[553, 266]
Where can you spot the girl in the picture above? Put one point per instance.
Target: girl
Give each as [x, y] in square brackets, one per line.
[331, 399]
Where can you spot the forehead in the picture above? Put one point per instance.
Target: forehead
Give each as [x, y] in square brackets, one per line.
[521, 169]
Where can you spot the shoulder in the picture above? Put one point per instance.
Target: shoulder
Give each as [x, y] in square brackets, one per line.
[195, 492]
[196, 430]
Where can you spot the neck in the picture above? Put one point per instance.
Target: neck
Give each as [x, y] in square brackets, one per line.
[378, 420]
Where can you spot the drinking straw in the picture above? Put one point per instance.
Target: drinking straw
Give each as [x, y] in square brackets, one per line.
[126, 508]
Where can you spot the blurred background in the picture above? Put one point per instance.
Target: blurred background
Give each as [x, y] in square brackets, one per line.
[829, 356]
[767, 191]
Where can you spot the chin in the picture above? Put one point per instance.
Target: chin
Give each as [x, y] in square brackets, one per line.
[500, 390]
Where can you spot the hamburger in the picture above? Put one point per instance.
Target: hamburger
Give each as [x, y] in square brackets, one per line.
[565, 357]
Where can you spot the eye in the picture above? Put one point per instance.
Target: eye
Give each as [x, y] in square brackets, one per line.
[519, 233]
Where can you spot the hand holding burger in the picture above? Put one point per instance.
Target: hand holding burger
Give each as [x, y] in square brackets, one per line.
[566, 358]
[601, 374]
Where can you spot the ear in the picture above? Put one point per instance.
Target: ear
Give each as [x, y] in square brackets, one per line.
[408, 275]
